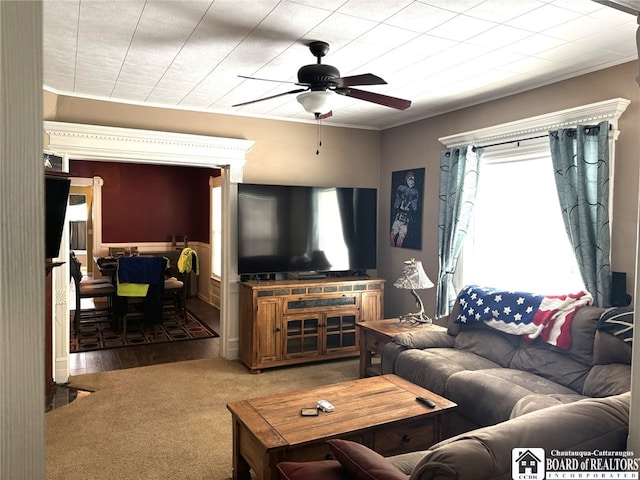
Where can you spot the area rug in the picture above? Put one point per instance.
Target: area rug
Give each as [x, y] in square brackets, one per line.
[174, 328]
[167, 421]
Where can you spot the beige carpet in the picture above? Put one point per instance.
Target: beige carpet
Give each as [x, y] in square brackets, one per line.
[165, 421]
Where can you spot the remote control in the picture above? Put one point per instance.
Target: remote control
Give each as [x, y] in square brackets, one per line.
[325, 406]
[426, 401]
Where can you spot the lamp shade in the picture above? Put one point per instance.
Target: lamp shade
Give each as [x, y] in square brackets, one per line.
[413, 276]
[316, 101]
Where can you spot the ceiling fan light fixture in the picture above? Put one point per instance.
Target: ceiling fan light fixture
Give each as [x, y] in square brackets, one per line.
[316, 101]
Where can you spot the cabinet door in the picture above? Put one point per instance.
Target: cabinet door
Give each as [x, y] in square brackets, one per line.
[340, 332]
[371, 306]
[301, 336]
[267, 333]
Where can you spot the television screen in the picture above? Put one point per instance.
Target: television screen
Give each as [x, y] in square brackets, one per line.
[305, 229]
[56, 195]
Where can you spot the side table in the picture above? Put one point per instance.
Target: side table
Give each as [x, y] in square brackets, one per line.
[374, 335]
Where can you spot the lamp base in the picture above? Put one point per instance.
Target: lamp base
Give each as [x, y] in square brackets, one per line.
[416, 318]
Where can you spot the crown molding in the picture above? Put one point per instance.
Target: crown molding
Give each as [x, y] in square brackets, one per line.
[595, 112]
[96, 142]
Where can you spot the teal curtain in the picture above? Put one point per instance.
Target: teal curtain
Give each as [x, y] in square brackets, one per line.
[581, 163]
[459, 169]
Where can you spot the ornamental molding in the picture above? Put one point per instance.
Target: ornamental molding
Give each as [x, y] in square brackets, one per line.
[610, 110]
[96, 142]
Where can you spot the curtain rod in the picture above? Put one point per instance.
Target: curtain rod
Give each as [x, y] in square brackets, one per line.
[509, 141]
[523, 139]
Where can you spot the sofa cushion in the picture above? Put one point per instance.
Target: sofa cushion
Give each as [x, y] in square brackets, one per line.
[319, 470]
[487, 396]
[538, 401]
[606, 380]
[610, 349]
[496, 346]
[363, 463]
[583, 330]
[555, 366]
[424, 339]
[431, 368]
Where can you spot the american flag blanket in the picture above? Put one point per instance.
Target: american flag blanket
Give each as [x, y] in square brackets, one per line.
[521, 313]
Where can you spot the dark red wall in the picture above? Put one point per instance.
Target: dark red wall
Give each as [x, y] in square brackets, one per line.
[149, 203]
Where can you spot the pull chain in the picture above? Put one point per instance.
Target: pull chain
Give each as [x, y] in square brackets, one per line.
[318, 133]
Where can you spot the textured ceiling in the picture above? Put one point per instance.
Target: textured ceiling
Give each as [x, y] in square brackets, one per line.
[440, 54]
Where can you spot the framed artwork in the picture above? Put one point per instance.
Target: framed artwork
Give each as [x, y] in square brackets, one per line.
[407, 188]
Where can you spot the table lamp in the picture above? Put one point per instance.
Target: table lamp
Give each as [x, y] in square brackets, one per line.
[413, 277]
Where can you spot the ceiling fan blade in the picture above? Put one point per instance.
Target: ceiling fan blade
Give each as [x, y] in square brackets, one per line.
[378, 98]
[297, 90]
[324, 115]
[266, 79]
[364, 79]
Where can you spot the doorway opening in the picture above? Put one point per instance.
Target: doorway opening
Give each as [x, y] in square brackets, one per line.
[79, 220]
[115, 144]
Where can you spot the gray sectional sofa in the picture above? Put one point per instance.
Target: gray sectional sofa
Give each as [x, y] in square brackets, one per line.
[494, 376]
[591, 426]
[513, 395]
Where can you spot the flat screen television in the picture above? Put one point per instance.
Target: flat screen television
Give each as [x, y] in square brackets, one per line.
[56, 198]
[283, 228]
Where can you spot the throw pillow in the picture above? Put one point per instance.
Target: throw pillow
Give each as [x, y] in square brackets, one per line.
[319, 470]
[618, 321]
[363, 463]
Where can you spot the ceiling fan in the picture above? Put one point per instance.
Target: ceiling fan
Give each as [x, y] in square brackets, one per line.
[321, 81]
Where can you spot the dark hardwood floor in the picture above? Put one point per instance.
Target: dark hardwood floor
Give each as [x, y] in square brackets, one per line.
[140, 355]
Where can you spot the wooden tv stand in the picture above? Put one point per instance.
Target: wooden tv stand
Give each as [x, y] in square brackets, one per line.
[284, 322]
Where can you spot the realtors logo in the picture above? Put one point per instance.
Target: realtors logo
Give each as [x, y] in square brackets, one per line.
[527, 464]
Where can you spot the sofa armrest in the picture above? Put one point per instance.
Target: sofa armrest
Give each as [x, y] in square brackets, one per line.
[415, 339]
[424, 339]
[389, 356]
[406, 462]
[591, 424]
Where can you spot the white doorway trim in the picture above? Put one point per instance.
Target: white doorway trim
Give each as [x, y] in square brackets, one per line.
[101, 143]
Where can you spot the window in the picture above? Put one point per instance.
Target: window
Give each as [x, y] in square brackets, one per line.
[517, 239]
[526, 255]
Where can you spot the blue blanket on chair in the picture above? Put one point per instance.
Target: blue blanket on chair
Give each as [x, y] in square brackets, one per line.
[150, 272]
[147, 270]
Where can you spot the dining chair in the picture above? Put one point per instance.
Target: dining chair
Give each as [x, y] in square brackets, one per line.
[178, 242]
[84, 279]
[175, 291]
[89, 288]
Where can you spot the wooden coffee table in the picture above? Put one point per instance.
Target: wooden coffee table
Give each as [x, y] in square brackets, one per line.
[380, 412]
